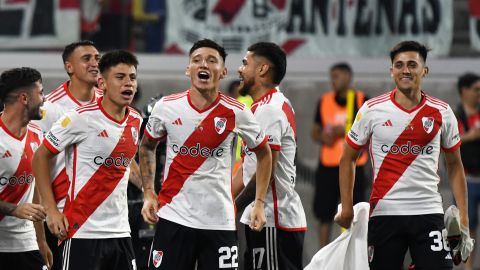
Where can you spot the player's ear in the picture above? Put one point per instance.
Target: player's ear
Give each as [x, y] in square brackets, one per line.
[68, 67]
[224, 73]
[187, 71]
[425, 71]
[101, 83]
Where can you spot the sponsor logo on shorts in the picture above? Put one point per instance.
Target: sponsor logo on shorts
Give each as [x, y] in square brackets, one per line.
[157, 257]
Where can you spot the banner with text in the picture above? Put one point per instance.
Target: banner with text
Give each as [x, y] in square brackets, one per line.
[33, 24]
[474, 8]
[327, 28]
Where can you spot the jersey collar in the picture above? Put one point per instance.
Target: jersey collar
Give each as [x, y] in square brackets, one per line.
[419, 105]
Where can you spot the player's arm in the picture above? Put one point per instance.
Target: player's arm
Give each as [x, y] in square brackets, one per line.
[263, 175]
[456, 175]
[347, 179]
[237, 182]
[147, 168]
[40, 234]
[135, 177]
[247, 195]
[57, 223]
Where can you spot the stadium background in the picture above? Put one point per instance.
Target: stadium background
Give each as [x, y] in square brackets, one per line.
[162, 67]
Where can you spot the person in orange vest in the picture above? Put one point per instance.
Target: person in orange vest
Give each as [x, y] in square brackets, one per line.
[334, 116]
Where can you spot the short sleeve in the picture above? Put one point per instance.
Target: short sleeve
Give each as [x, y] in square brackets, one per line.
[450, 136]
[249, 130]
[270, 119]
[361, 130]
[69, 129]
[155, 128]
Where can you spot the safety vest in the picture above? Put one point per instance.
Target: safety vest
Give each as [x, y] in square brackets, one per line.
[333, 114]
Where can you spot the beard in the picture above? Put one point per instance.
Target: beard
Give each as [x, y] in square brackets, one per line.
[244, 87]
[35, 113]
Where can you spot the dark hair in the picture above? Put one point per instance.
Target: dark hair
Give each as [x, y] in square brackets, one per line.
[113, 58]
[342, 66]
[467, 80]
[233, 86]
[15, 79]
[72, 46]
[274, 54]
[409, 46]
[208, 43]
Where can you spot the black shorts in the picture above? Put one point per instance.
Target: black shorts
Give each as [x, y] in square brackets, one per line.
[52, 242]
[28, 260]
[389, 237]
[273, 249]
[98, 254]
[179, 247]
[327, 191]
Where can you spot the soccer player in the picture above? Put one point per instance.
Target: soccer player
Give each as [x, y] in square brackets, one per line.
[406, 129]
[280, 244]
[22, 238]
[195, 209]
[99, 140]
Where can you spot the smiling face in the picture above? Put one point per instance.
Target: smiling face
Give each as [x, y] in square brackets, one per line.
[408, 69]
[35, 101]
[82, 65]
[205, 69]
[247, 72]
[119, 84]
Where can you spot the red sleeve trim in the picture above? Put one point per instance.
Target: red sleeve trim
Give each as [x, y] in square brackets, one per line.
[352, 144]
[260, 145]
[151, 137]
[453, 148]
[50, 147]
[275, 147]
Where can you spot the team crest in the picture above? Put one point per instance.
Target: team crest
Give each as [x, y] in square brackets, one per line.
[220, 124]
[134, 135]
[428, 123]
[371, 250]
[157, 257]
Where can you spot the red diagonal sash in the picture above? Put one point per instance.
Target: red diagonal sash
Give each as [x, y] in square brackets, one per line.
[394, 165]
[102, 183]
[183, 166]
[14, 193]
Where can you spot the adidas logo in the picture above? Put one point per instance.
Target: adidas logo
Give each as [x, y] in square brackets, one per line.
[7, 154]
[177, 122]
[388, 123]
[103, 134]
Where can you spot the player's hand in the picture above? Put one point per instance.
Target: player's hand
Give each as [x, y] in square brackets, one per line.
[344, 217]
[150, 207]
[46, 253]
[30, 211]
[257, 217]
[57, 223]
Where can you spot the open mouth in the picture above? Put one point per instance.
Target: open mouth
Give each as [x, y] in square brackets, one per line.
[127, 93]
[203, 75]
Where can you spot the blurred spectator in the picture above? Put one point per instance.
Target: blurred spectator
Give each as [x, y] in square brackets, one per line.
[333, 117]
[468, 114]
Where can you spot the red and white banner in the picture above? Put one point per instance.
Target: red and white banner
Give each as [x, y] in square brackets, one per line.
[474, 9]
[30, 24]
[326, 28]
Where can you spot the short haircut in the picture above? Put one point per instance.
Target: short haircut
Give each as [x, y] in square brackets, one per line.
[208, 43]
[342, 66]
[409, 46]
[233, 86]
[113, 58]
[274, 54]
[16, 79]
[467, 80]
[72, 46]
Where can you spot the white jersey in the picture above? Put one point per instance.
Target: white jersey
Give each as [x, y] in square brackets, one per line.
[57, 103]
[16, 186]
[196, 190]
[283, 207]
[405, 146]
[98, 151]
